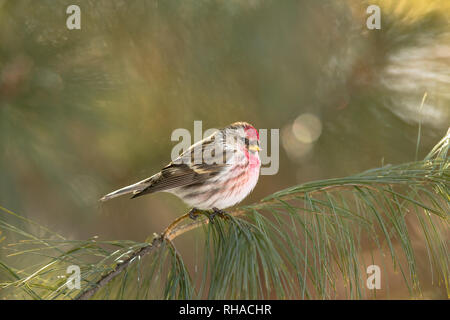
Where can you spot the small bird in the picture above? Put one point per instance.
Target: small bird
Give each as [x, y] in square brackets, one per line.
[212, 174]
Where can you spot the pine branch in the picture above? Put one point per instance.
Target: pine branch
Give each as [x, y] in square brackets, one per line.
[310, 236]
[177, 228]
[174, 230]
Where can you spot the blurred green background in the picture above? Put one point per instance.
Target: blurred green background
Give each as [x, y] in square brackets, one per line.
[84, 112]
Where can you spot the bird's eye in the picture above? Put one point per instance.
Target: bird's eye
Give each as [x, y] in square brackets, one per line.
[246, 141]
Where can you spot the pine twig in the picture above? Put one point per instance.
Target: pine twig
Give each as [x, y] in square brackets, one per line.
[119, 268]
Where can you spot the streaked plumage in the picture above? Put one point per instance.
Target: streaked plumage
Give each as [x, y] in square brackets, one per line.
[217, 172]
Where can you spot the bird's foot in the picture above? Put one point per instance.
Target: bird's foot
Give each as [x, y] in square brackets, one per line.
[216, 212]
[193, 213]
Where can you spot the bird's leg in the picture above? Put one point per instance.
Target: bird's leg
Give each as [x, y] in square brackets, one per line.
[216, 212]
[193, 213]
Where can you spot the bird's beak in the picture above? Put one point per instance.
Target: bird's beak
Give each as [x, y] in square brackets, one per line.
[254, 148]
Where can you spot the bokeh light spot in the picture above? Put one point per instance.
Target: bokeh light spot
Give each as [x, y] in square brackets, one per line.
[307, 128]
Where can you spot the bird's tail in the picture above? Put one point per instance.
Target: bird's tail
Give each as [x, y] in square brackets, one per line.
[134, 188]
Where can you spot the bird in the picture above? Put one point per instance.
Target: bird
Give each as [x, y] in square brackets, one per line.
[215, 173]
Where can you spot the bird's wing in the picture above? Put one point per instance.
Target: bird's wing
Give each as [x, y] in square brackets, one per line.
[187, 169]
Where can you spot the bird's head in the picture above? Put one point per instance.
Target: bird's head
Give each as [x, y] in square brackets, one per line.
[247, 138]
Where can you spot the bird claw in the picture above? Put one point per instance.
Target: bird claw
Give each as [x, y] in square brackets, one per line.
[216, 212]
[193, 213]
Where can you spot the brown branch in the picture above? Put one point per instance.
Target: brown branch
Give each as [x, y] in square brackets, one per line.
[176, 229]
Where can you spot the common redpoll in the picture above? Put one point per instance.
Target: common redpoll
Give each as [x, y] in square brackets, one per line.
[214, 173]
